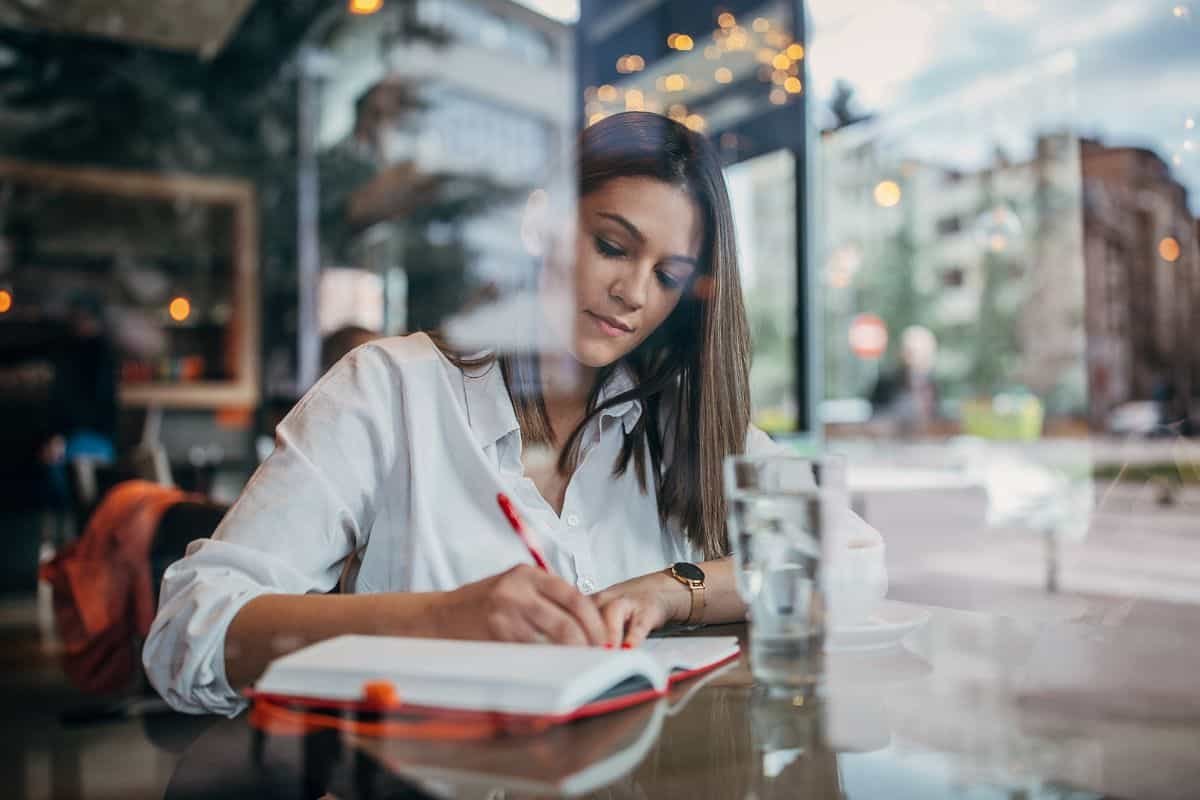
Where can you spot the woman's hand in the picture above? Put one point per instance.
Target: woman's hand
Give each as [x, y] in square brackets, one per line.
[635, 607]
[524, 604]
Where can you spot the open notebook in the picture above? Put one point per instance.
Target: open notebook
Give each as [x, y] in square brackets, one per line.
[547, 681]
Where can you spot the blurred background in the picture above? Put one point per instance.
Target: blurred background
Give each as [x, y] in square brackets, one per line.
[968, 232]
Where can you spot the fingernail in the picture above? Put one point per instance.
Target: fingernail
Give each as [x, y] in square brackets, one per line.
[609, 645]
[626, 646]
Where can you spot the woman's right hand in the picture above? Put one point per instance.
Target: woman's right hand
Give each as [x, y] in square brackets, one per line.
[524, 604]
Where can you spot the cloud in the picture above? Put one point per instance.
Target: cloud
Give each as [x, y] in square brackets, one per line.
[1138, 76]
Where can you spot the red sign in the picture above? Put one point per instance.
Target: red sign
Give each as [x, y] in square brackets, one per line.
[868, 336]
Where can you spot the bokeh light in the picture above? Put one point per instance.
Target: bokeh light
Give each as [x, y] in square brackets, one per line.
[634, 100]
[1168, 249]
[695, 122]
[792, 85]
[607, 93]
[761, 25]
[726, 20]
[887, 194]
[365, 7]
[630, 63]
[778, 96]
[6, 301]
[781, 61]
[723, 75]
[675, 82]
[680, 41]
[795, 51]
[180, 309]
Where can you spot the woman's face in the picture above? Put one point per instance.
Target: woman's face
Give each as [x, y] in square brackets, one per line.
[636, 250]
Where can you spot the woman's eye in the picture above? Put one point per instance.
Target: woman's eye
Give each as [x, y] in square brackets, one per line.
[607, 248]
[669, 281]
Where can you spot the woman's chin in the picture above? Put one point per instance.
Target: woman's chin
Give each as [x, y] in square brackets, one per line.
[595, 354]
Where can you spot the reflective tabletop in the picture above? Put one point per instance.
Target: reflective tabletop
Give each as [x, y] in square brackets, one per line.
[968, 705]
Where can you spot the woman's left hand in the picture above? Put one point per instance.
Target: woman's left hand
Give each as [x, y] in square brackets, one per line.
[633, 608]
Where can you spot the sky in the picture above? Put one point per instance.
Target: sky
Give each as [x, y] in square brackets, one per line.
[1136, 76]
[1136, 79]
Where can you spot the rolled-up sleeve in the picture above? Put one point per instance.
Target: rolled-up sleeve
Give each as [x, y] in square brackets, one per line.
[309, 506]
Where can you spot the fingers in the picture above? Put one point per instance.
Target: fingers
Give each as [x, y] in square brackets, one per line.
[616, 614]
[581, 608]
[637, 628]
[506, 626]
[548, 608]
[555, 624]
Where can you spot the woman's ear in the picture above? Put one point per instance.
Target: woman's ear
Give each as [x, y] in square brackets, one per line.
[535, 231]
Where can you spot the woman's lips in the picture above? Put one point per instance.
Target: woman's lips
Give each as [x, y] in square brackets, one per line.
[608, 326]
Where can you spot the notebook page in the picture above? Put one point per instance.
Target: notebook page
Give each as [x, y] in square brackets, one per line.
[687, 653]
[496, 676]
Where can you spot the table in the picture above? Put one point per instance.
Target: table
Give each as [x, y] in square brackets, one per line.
[972, 705]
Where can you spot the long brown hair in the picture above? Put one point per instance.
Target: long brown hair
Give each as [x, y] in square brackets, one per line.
[692, 375]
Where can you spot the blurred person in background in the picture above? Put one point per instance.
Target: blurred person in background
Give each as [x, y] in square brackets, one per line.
[83, 395]
[608, 431]
[337, 344]
[907, 396]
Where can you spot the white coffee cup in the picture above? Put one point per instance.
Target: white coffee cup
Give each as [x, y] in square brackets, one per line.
[854, 579]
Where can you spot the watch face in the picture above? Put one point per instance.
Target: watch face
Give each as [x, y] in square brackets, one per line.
[689, 571]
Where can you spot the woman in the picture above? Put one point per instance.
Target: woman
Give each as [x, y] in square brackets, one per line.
[613, 455]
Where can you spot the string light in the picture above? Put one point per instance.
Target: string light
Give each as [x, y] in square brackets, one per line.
[630, 63]
[675, 83]
[781, 61]
[792, 85]
[680, 41]
[607, 93]
[726, 20]
[795, 52]
[180, 309]
[1169, 250]
[723, 75]
[887, 194]
[365, 7]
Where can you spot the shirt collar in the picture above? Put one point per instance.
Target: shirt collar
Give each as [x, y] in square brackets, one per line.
[619, 382]
[490, 411]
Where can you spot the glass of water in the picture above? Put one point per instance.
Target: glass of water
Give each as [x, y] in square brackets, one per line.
[777, 526]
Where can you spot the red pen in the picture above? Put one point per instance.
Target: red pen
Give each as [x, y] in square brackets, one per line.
[514, 519]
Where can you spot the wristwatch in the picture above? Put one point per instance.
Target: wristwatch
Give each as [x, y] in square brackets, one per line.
[692, 577]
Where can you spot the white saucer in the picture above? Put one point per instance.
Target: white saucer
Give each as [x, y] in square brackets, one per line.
[886, 626]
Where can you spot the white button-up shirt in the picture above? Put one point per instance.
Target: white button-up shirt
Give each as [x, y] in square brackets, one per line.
[397, 455]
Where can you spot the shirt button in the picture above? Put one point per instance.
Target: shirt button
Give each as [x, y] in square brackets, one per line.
[586, 585]
[573, 520]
